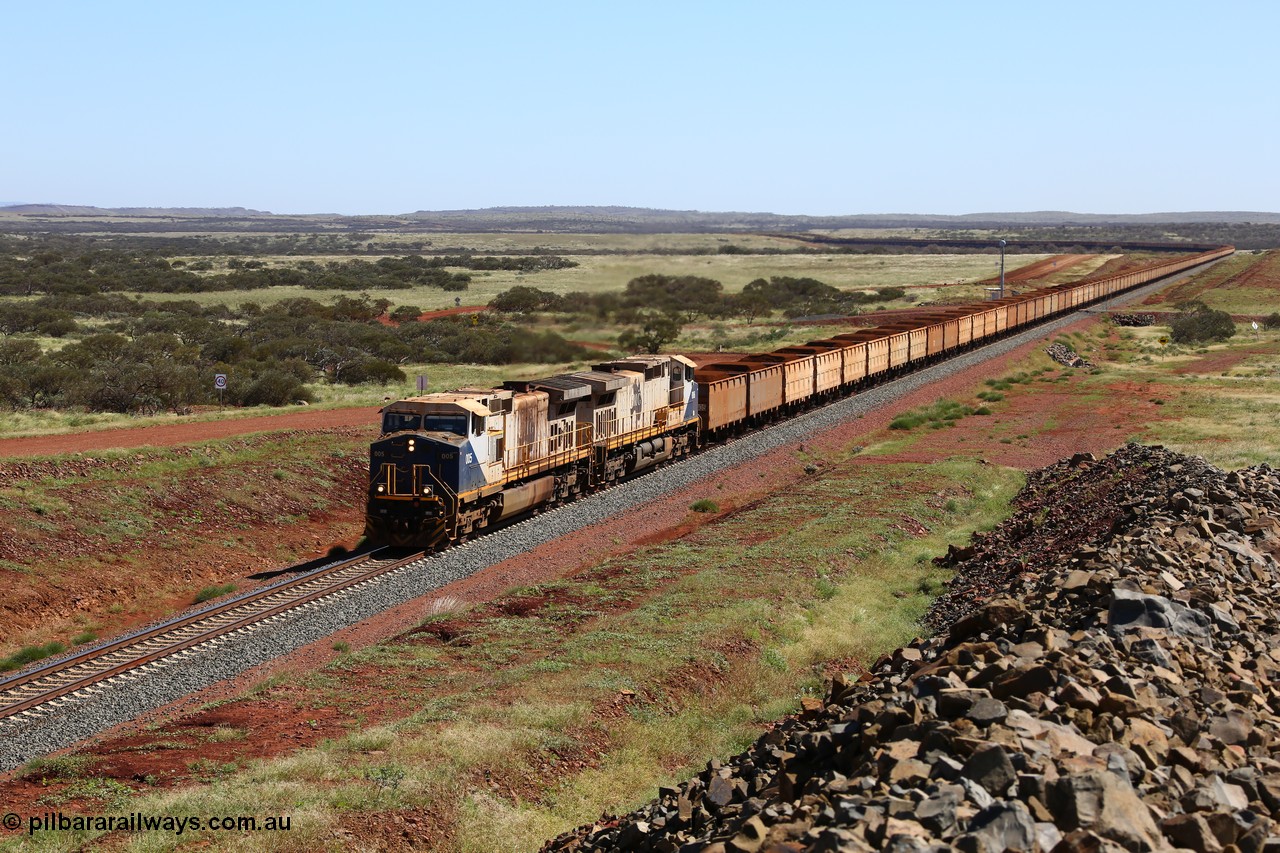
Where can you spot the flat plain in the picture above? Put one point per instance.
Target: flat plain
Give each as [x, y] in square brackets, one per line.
[498, 714]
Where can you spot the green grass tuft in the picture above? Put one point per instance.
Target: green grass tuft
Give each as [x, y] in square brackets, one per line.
[211, 592]
[55, 767]
[943, 413]
[31, 654]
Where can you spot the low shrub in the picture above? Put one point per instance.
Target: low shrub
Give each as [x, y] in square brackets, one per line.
[1202, 323]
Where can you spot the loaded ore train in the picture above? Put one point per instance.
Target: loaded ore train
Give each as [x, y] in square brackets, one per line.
[448, 465]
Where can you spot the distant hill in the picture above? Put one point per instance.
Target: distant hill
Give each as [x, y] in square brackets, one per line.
[1040, 217]
[88, 210]
[565, 218]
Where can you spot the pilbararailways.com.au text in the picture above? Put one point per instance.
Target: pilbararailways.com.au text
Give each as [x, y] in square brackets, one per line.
[138, 822]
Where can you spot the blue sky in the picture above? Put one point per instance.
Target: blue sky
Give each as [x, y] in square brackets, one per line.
[817, 107]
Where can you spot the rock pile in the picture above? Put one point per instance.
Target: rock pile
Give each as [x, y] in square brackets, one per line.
[1134, 319]
[1062, 507]
[1066, 356]
[1122, 693]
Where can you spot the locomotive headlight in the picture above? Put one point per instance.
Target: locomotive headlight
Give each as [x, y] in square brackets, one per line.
[381, 488]
[426, 490]
[411, 445]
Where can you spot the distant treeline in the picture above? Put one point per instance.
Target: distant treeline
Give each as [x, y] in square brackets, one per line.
[981, 239]
[147, 356]
[110, 271]
[278, 235]
[689, 297]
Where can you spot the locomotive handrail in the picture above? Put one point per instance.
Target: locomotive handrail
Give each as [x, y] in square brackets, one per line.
[551, 460]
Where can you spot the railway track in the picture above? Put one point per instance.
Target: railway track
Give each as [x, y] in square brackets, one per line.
[32, 724]
[48, 687]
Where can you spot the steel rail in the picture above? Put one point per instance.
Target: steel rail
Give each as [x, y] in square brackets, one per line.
[62, 663]
[341, 578]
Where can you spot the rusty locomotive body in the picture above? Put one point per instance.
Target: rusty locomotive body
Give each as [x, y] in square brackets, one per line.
[448, 465]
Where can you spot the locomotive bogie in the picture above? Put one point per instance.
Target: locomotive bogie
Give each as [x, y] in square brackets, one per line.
[449, 464]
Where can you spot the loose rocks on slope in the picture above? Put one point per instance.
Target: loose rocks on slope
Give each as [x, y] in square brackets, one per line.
[1133, 319]
[1066, 356]
[1121, 693]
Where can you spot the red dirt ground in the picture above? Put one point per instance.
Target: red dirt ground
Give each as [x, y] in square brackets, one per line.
[1040, 269]
[172, 435]
[435, 315]
[449, 312]
[271, 729]
[107, 548]
[1217, 362]
[1021, 275]
[1262, 274]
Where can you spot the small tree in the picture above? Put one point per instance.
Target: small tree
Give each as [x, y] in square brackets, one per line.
[750, 304]
[406, 313]
[522, 299]
[370, 370]
[275, 388]
[1202, 323]
[656, 330]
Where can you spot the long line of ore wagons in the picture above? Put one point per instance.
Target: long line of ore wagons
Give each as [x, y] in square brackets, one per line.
[450, 464]
[758, 386]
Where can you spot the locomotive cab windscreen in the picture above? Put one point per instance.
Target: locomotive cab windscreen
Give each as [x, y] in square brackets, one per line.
[438, 438]
[400, 422]
[458, 423]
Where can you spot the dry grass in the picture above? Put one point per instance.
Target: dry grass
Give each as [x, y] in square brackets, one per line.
[830, 584]
[440, 377]
[603, 273]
